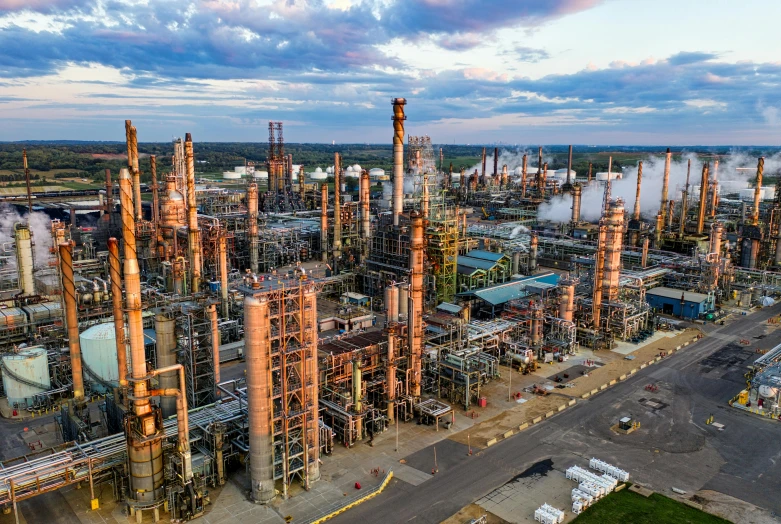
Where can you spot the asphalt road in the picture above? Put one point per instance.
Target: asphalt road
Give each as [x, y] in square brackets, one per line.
[673, 448]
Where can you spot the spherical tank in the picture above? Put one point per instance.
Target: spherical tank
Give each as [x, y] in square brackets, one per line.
[99, 355]
[31, 365]
[768, 391]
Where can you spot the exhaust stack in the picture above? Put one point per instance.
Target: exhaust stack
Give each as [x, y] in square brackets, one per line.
[337, 208]
[703, 200]
[132, 165]
[758, 189]
[665, 182]
[398, 158]
[252, 227]
[416, 298]
[24, 258]
[636, 214]
[577, 193]
[71, 318]
[119, 315]
[193, 232]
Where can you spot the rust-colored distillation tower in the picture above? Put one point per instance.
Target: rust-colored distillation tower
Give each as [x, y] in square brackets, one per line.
[165, 347]
[533, 243]
[758, 190]
[577, 194]
[665, 183]
[599, 261]
[416, 297]
[670, 214]
[119, 315]
[462, 181]
[365, 216]
[222, 248]
[540, 185]
[658, 230]
[132, 164]
[703, 199]
[337, 207]
[193, 232]
[482, 172]
[569, 169]
[613, 246]
[215, 328]
[644, 257]
[398, 158]
[636, 213]
[537, 323]
[714, 188]
[544, 180]
[144, 433]
[590, 172]
[324, 223]
[567, 299]
[252, 225]
[71, 318]
[27, 181]
[523, 177]
[257, 345]
[390, 375]
[426, 199]
[155, 196]
[505, 176]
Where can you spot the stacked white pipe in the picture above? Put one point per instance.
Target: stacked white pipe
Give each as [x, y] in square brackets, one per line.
[547, 514]
[608, 469]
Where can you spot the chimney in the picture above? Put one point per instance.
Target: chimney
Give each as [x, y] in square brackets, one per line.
[119, 315]
[714, 189]
[665, 181]
[252, 225]
[71, 318]
[155, 196]
[496, 163]
[523, 177]
[193, 232]
[24, 258]
[365, 215]
[758, 189]
[590, 170]
[398, 158]
[416, 298]
[27, 181]
[577, 192]
[636, 214]
[482, 173]
[109, 195]
[539, 170]
[703, 199]
[644, 259]
[337, 208]
[569, 168]
[324, 223]
[132, 164]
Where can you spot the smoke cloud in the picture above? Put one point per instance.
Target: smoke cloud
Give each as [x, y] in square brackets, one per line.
[40, 226]
[559, 209]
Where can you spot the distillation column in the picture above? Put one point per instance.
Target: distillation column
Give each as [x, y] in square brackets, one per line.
[398, 158]
[165, 333]
[252, 226]
[71, 318]
[416, 296]
[193, 232]
[615, 233]
[703, 200]
[24, 258]
[758, 189]
[324, 223]
[337, 208]
[567, 299]
[665, 184]
[119, 315]
[577, 194]
[311, 379]
[365, 216]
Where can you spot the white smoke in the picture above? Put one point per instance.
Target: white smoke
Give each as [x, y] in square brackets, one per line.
[559, 208]
[517, 230]
[40, 227]
[513, 159]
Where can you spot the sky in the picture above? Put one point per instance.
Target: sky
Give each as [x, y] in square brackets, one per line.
[593, 72]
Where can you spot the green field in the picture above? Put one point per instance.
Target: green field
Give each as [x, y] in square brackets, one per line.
[627, 507]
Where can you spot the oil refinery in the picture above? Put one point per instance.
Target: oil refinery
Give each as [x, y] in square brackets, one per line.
[346, 317]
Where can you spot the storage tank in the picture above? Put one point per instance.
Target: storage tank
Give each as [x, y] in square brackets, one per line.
[261, 174]
[99, 356]
[318, 174]
[376, 173]
[231, 175]
[768, 391]
[602, 176]
[25, 374]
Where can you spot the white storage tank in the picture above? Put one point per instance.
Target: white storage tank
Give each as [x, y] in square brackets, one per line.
[261, 174]
[30, 365]
[602, 175]
[99, 354]
[768, 391]
[318, 174]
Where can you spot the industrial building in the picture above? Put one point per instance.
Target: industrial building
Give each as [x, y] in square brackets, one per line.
[351, 314]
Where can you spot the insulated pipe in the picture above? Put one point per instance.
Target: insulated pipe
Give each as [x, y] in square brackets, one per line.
[665, 181]
[165, 345]
[119, 315]
[182, 413]
[257, 349]
[324, 223]
[252, 225]
[416, 296]
[390, 375]
[577, 193]
[703, 199]
[24, 258]
[636, 214]
[758, 189]
[71, 318]
[216, 342]
[222, 247]
[193, 232]
[155, 196]
[337, 207]
[523, 177]
[398, 158]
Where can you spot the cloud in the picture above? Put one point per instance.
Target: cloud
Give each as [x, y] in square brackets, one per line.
[530, 54]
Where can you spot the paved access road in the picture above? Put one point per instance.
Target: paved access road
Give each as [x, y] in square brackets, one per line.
[673, 448]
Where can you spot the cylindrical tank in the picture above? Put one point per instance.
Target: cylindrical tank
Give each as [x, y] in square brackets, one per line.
[404, 301]
[99, 355]
[392, 303]
[31, 365]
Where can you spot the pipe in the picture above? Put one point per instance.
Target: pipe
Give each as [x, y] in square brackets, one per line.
[365, 212]
[71, 318]
[416, 296]
[398, 158]
[665, 181]
[193, 232]
[577, 193]
[222, 247]
[24, 258]
[257, 347]
[252, 225]
[216, 342]
[155, 196]
[703, 199]
[636, 214]
[337, 207]
[182, 413]
[119, 316]
[324, 223]
[758, 189]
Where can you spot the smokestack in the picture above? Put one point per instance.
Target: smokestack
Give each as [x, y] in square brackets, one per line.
[259, 406]
[416, 298]
[222, 248]
[462, 181]
[496, 163]
[193, 232]
[540, 186]
[482, 173]
[252, 225]
[132, 164]
[533, 242]
[27, 182]
[614, 222]
[398, 158]
[636, 214]
[758, 189]
[337, 207]
[567, 299]
[569, 167]
[365, 216]
[670, 213]
[703, 199]
[119, 315]
[577, 192]
[658, 230]
[165, 346]
[714, 187]
[24, 258]
[324, 223]
[644, 259]
[665, 181]
[71, 318]
[155, 197]
[523, 177]
[504, 176]
[590, 170]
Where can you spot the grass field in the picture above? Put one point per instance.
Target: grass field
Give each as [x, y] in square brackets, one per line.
[626, 506]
